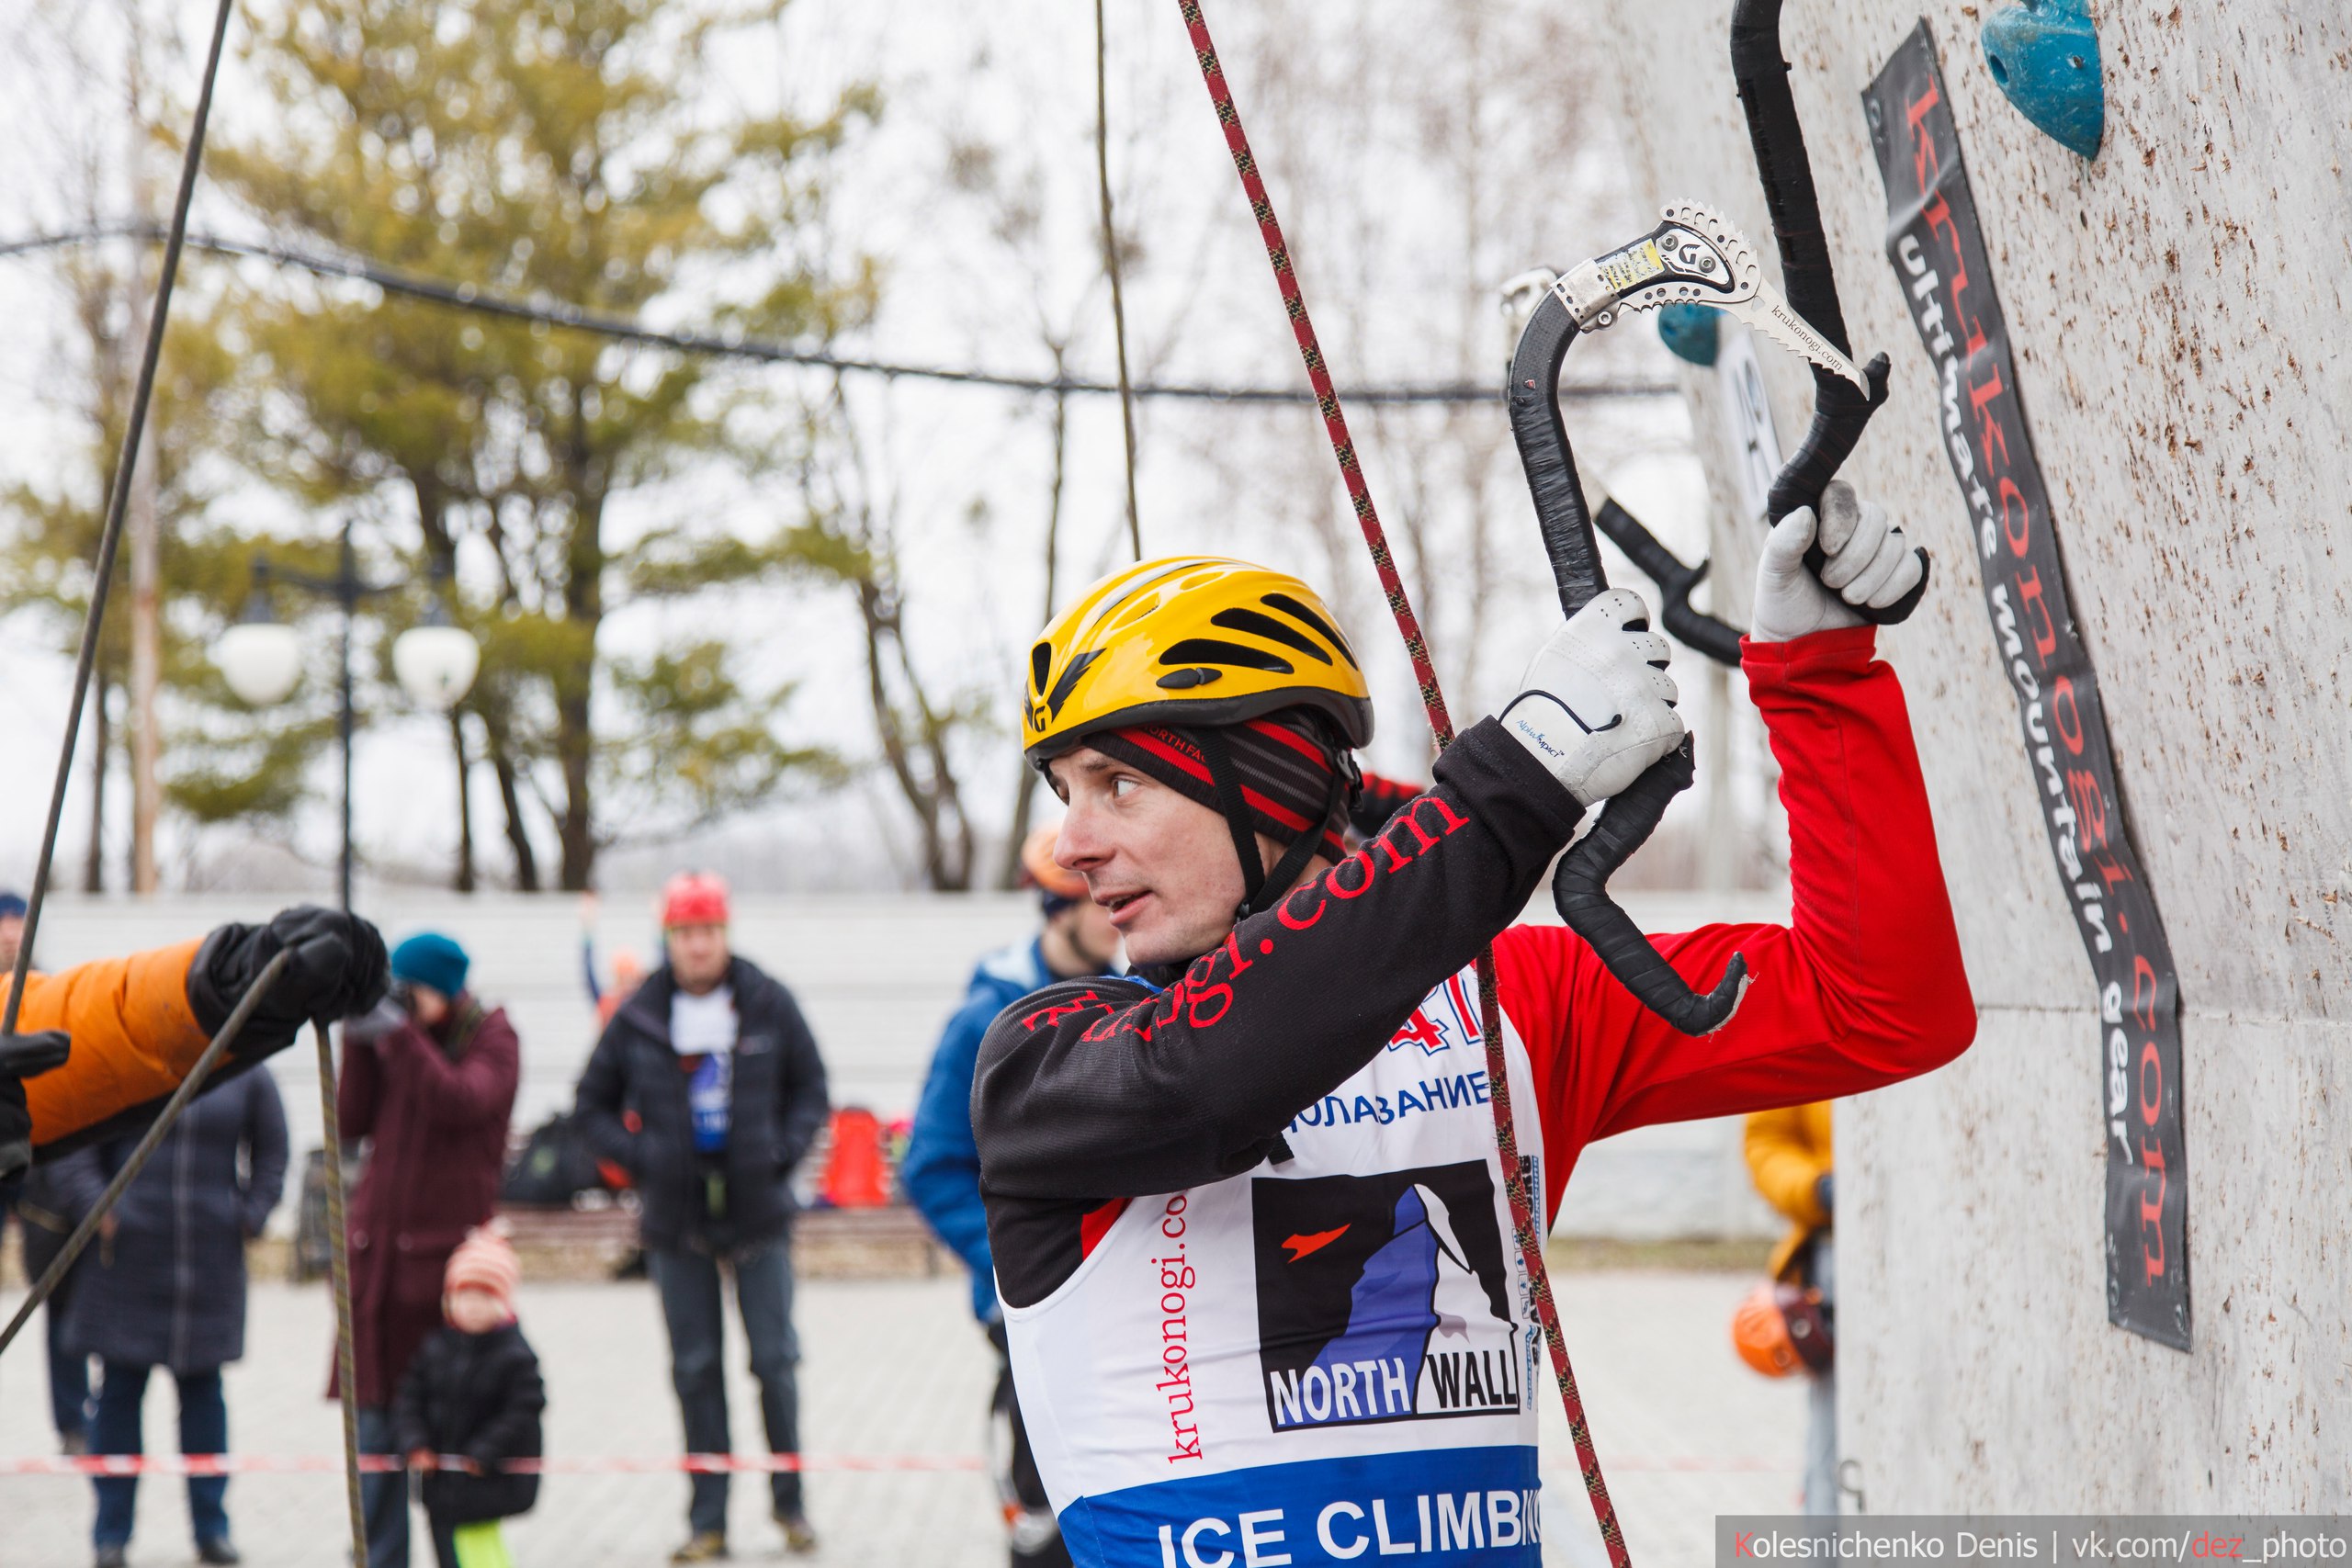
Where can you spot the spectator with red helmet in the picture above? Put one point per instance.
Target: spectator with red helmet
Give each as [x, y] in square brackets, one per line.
[706, 1087]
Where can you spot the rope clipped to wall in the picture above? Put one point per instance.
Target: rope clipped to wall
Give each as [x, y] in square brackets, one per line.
[1335, 424]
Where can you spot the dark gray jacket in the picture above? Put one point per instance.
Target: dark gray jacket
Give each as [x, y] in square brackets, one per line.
[633, 1110]
[169, 1289]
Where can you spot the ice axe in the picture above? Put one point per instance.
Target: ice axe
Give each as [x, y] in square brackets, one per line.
[1683, 621]
[1840, 411]
[1694, 256]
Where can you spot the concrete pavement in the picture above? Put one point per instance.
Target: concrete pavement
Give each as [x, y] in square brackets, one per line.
[893, 1367]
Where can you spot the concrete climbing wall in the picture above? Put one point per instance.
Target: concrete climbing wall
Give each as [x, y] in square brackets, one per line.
[2177, 310]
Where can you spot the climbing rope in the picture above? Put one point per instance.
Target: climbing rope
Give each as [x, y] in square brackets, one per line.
[93, 623]
[1335, 426]
[347, 1380]
[1110, 268]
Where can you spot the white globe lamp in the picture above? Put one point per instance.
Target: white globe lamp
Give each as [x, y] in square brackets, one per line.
[436, 664]
[261, 659]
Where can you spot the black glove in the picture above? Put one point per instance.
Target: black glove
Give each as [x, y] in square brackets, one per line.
[15, 1135]
[338, 969]
[24, 1056]
[30, 1055]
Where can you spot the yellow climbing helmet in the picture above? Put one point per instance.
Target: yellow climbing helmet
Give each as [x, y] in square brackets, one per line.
[1189, 639]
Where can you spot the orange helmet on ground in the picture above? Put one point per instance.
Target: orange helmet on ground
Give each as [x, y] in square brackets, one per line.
[1038, 868]
[694, 898]
[1781, 1328]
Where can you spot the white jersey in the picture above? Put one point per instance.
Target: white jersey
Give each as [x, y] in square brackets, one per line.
[1317, 1361]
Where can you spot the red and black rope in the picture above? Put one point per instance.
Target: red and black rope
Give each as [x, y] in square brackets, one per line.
[1335, 424]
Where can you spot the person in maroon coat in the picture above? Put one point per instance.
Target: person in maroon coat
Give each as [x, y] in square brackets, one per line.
[429, 1077]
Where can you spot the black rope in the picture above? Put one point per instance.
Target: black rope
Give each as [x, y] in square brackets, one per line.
[737, 346]
[118, 499]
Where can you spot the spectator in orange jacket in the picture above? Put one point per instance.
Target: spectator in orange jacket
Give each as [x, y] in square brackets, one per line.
[1789, 1159]
[122, 1034]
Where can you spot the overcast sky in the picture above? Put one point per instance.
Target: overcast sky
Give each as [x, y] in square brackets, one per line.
[1374, 222]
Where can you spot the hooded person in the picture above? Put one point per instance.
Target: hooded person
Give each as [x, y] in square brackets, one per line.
[429, 1080]
[100, 1046]
[1251, 1237]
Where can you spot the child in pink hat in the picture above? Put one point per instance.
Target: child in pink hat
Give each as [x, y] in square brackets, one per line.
[470, 1405]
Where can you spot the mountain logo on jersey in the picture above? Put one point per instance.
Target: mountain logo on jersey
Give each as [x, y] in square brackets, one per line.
[1383, 1298]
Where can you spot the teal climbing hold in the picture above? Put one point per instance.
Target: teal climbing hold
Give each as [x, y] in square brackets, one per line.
[2044, 57]
[1691, 330]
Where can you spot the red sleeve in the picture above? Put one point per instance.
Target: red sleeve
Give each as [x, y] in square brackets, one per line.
[1864, 988]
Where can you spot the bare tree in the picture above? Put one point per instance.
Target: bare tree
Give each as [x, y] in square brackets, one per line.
[852, 537]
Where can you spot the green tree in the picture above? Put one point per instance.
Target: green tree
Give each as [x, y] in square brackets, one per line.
[220, 762]
[583, 149]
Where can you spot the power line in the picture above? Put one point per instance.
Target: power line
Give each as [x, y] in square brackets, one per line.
[733, 345]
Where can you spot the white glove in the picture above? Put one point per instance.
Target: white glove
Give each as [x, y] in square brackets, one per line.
[1870, 563]
[1596, 706]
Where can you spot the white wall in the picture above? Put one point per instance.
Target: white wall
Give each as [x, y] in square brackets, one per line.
[2178, 315]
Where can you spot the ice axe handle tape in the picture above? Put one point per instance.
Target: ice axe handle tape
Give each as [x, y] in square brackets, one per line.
[1840, 416]
[1580, 889]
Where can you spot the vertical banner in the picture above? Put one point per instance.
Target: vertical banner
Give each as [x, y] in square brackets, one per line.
[1940, 263]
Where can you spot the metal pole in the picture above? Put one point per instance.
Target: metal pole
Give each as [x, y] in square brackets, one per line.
[347, 593]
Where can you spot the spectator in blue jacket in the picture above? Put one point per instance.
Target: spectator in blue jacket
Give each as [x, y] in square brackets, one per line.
[941, 1171]
[167, 1288]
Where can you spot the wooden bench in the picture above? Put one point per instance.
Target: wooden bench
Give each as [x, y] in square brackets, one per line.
[889, 1243]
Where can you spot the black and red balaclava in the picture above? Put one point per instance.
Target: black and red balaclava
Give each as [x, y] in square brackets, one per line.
[1285, 774]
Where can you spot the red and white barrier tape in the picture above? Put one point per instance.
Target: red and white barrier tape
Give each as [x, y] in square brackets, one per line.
[117, 1465]
[125, 1465]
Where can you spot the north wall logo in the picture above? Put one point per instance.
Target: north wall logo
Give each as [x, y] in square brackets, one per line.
[1383, 1298]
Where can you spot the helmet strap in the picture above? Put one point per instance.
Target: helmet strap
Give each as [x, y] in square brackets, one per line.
[1255, 879]
[1225, 779]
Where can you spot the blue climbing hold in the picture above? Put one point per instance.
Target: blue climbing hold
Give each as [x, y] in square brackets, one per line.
[2044, 57]
[1691, 330]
